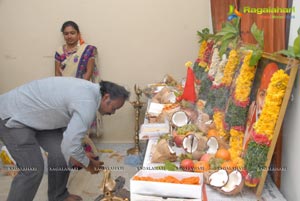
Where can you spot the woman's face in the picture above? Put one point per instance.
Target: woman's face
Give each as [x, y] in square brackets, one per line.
[261, 95]
[71, 36]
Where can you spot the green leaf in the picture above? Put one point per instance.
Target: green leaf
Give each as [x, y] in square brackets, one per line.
[223, 47]
[170, 166]
[298, 31]
[228, 36]
[236, 23]
[256, 55]
[204, 34]
[235, 42]
[288, 53]
[258, 35]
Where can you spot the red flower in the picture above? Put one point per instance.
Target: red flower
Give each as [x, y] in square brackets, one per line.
[260, 138]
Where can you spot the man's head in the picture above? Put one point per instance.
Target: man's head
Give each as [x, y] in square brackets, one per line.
[113, 97]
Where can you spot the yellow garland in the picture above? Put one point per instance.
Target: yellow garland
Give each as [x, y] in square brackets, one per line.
[202, 49]
[218, 118]
[236, 146]
[230, 67]
[275, 93]
[245, 79]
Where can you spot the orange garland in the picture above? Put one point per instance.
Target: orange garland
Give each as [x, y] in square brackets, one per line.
[170, 179]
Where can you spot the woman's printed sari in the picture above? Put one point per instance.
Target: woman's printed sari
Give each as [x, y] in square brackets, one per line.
[74, 64]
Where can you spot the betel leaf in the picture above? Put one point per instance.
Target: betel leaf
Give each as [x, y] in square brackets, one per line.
[223, 47]
[289, 53]
[204, 34]
[228, 36]
[292, 51]
[170, 166]
[258, 35]
[256, 55]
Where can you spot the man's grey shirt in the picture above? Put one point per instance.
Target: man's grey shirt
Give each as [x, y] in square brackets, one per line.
[52, 103]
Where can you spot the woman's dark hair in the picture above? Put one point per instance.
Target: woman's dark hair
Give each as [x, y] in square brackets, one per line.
[69, 24]
[114, 90]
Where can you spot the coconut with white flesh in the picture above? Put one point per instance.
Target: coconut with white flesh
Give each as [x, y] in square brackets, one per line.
[235, 183]
[218, 178]
[190, 143]
[180, 119]
[213, 145]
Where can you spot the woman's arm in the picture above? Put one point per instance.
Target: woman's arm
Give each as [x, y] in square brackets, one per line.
[57, 69]
[89, 69]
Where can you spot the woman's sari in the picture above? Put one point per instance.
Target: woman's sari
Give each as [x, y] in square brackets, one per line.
[74, 64]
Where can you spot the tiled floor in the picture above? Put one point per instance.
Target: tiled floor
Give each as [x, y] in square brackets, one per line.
[83, 183]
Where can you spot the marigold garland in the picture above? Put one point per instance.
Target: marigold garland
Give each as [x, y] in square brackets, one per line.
[237, 110]
[266, 122]
[218, 118]
[202, 49]
[236, 144]
[205, 57]
[230, 68]
[245, 80]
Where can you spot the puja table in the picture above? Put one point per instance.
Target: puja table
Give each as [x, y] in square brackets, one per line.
[270, 191]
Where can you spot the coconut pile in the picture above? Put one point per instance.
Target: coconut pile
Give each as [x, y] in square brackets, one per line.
[201, 148]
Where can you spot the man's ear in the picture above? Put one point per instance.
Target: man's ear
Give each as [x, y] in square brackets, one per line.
[106, 97]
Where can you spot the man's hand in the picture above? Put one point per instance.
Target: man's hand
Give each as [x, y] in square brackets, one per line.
[95, 165]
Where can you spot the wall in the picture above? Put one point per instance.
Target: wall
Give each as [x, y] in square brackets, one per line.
[138, 41]
[291, 138]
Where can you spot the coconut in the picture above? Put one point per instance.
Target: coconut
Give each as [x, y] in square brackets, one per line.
[203, 118]
[213, 145]
[180, 119]
[235, 183]
[222, 143]
[202, 143]
[218, 178]
[190, 143]
[163, 152]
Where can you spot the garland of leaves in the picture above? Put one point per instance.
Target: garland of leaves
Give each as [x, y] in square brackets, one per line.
[213, 97]
[255, 159]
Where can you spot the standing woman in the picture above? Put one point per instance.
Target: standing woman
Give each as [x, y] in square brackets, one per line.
[78, 59]
[75, 58]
